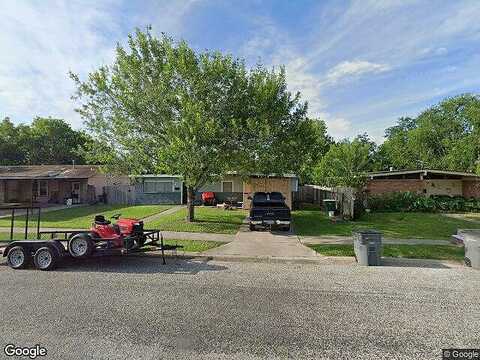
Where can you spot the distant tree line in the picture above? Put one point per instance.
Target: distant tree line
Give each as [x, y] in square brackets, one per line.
[443, 137]
[44, 141]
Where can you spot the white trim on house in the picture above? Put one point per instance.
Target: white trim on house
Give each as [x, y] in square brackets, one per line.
[421, 172]
[263, 175]
[227, 181]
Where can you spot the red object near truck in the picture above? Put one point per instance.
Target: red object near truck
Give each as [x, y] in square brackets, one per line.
[208, 198]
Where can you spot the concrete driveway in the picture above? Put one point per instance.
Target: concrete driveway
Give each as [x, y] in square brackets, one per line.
[263, 244]
[118, 308]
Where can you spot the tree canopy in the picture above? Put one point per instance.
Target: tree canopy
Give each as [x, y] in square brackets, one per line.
[445, 136]
[161, 107]
[345, 162]
[44, 141]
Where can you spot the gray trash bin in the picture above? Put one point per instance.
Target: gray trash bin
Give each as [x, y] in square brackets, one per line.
[471, 240]
[367, 245]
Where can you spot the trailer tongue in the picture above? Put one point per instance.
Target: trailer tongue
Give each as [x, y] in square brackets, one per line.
[125, 237]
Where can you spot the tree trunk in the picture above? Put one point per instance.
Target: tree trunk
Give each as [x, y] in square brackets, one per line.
[190, 205]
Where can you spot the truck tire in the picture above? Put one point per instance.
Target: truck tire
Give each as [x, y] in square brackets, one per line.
[81, 246]
[45, 258]
[252, 227]
[285, 228]
[18, 257]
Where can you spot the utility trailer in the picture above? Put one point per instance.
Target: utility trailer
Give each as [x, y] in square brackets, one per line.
[125, 237]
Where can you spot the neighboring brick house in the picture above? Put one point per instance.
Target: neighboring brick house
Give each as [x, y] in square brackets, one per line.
[428, 182]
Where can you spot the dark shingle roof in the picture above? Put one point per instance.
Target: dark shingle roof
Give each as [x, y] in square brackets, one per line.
[48, 172]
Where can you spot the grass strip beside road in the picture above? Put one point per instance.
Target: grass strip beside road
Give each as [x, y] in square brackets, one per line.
[395, 225]
[194, 245]
[436, 252]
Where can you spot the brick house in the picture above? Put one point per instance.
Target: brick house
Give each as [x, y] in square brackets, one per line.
[428, 182]
[234, 187]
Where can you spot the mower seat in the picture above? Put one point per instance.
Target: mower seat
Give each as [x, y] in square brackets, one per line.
[100, 220]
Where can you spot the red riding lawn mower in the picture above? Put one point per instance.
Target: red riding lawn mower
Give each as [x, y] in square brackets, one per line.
[103, 238]
[127, 234]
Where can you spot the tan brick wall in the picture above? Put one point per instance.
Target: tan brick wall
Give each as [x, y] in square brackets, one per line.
[471, 188]
[283, 185]
[444, 187]
[382, 186]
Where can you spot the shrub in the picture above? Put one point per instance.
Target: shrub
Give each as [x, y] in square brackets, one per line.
[413, 202]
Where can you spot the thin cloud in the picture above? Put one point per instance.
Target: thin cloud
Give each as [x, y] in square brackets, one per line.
[349, 69]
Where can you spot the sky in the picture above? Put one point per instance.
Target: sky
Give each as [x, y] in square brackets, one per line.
[360, 64]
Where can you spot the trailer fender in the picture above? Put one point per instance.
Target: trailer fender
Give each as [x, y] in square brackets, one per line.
[7, 249]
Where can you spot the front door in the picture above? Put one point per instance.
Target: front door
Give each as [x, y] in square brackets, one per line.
[40, 191]
[76, 192]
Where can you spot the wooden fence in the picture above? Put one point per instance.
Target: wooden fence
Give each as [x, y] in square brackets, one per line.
[120, 194]
[312, 194]
[349, 201]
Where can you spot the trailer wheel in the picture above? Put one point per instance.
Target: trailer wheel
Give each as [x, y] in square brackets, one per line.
[18, 257]
[45, 258]
[80, 246]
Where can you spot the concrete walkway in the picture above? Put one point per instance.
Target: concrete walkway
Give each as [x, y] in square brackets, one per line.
[349, 240]
[163, 213]
[263, 244]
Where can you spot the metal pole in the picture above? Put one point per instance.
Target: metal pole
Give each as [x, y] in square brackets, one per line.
[163, 249]
[12, 224]
[38, 223]
[26, 225]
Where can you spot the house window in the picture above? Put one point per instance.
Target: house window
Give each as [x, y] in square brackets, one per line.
[227, 186]
[157, 186]
[40, 188]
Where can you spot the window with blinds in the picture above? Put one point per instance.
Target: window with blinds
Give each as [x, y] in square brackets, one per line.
[157, 186]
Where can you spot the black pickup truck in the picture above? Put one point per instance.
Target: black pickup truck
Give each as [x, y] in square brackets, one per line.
[269, 210]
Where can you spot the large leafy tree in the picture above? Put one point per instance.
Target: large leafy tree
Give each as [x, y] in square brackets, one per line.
[346, 162]
[161, 107]
[445, 136]
[45, 141]
[53, 141]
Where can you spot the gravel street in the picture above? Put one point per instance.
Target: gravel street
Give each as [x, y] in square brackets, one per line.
[135, 308]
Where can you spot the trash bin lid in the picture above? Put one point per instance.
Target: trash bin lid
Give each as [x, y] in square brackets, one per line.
[367, 231]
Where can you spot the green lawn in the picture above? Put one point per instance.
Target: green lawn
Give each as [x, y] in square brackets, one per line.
[393, 225]
[207, 220]
[194, 245]
[82, 217]
[438, 252]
